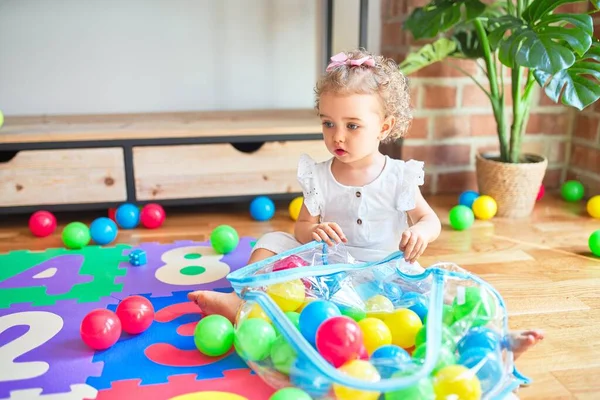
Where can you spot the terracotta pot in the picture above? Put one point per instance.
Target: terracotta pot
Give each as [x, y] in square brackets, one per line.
[513, 186]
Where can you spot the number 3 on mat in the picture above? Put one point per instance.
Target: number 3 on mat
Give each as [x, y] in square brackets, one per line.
[43, 326]
[191, 266]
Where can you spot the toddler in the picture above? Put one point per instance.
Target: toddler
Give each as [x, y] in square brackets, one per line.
[360, 197]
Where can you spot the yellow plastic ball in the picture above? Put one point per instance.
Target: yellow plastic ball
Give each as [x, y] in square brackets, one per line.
[593, 206]
[257, 312]
[379, 306]
[295, 207]
[287, 295]
[358, 369]
[1, 119]
[485, 207]
[457, 382]
[375, 334]
[404, 325]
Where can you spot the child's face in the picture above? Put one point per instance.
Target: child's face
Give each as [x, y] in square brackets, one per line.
[353, 125]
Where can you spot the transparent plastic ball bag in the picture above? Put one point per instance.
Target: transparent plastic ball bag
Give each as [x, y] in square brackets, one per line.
[316, 319]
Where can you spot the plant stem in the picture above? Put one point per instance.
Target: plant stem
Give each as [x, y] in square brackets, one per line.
[526, 103]
[515, 142]
[520, 8]
[510, 7]
[495, 96]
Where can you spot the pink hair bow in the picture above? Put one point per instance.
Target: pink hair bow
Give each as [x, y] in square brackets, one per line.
[342, 59]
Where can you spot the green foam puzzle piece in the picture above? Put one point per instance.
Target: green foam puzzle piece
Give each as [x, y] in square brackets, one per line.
[102, 263]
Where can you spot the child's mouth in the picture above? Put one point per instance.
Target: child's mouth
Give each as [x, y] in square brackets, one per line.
[340, 152]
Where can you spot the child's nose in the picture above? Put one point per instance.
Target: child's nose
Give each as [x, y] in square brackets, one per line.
[338, 136]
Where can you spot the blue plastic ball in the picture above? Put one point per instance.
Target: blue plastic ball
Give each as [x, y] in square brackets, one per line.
[389, 359]
[127, 216]
[103, 230]
[416, 302]
[304, 376]
[467, 198]
[262, 208]
[479, 337]
[313, 315]
[486, 364]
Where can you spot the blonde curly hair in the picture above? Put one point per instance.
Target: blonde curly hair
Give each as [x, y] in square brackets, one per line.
[383, 79]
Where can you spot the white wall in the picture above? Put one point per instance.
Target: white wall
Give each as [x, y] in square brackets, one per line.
[120, 56]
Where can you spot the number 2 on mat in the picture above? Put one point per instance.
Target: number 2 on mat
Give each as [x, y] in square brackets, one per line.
[43, 326]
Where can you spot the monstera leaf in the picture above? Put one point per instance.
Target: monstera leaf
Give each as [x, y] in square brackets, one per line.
[427, 55]
[579, 84]
[541, 40]
[441, 15]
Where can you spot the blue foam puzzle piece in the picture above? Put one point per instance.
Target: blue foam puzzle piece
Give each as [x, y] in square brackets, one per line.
[127, 358]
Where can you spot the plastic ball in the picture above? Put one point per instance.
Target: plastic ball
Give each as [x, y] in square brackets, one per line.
[541, 193]
[355, 313]
[485, 207]
[213, 335]
[457, 382]
[447, 336]
[306, 377]
[100, 329]
[594, 243]
[224, 239]
[363, 354]
[362, 370]
[389, 359]
[42, 223]
[283, 355]
[103, 230]
[379, 306]
[416, 302]
[447, 315]
[127, 216]
[486, 364]
[112, 214]
[287, 295]
[593, 206]
[445, 357]
[289, 262]
[339, 340]
[290, 393]
[136, 314]
[479, 337]
[313, 315]
[253, 339]
[257, 312]
[421, 390]
[262, 208]
[404, 325]
[295, 207]
[475, 305]
[572, 191]
[1, 119]
[467, 198]
[152, 216]
[375, 334]
[76, 235]
[461, 217]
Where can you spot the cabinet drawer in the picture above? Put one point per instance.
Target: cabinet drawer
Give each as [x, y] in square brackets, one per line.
[45, 177]
[216, 170]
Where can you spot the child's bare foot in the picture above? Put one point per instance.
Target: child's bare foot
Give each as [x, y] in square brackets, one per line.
[225, 304]
[520, 342]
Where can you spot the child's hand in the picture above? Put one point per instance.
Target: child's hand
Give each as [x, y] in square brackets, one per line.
[328, 231]
[413, 244]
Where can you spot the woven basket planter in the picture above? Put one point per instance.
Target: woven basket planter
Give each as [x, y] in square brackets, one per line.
[513, 186]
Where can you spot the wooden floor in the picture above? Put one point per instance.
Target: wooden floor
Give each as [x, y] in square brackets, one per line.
[541, 266]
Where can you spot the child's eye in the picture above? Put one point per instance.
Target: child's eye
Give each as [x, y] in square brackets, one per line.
[352, 126]
[328, 124]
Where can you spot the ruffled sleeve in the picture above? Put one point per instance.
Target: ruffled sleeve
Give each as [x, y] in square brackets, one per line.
[309, 182]
[412, 176]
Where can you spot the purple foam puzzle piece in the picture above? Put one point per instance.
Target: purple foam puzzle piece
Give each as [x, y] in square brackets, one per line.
[61, 282]
[143, 279]
[69, 359]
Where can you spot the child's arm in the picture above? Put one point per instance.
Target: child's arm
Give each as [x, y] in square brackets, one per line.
[425, 229]
[308, 228]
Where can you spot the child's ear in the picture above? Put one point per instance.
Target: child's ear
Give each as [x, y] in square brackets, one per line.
[386, 127]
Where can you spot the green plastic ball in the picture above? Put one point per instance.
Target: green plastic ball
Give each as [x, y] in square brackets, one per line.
[355, 313]
[447, 337]
[447, 315]
[283, 355]
[461, 217]
[594, 243]
[76, 235]
[213, 335]
[1, 119]
[254, 339]
[290, 393]
[474, 306]
[294, 318]
[224, 239]
[419, 391]
[445, 357]
[572, 191]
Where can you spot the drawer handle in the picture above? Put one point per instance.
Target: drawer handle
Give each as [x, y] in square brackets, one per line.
[7, 155]
[247, 147]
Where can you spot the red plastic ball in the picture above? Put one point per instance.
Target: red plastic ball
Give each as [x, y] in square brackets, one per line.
[112, 214]
[100, 329]
[339, 340]
[541, 193]
[152, 216]
[289, 262]
[363, 354]
[136, 314]
[42, 223]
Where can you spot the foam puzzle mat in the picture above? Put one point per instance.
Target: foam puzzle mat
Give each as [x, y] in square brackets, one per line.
[45, 295]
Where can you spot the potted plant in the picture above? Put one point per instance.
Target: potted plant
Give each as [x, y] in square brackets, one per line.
[538, 44]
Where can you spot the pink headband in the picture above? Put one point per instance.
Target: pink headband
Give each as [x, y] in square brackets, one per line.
[342, 59]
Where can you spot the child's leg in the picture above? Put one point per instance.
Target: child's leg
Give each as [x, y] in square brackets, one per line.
[520, 342]
[225, 304]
